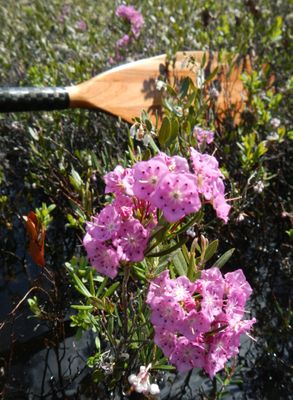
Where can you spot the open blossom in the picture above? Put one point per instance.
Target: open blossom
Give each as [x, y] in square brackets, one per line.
[187, 355]
[103, 258]
[132, 239]
[177, 196]
[146, 176]
[198, 325]
[106, 224]
[119, 181]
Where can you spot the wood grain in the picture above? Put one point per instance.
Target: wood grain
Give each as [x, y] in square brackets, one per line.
[128, 89]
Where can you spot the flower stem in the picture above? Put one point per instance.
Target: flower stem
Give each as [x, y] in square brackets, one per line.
[125, 298]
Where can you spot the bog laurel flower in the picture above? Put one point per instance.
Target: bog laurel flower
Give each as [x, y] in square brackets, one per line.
[133, 16]
[163, 183]
[202, 135]
[199, 324]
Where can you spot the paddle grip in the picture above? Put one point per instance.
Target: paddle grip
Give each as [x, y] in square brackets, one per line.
[13, 99]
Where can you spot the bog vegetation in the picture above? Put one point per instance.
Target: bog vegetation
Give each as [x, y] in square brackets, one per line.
[148, 225]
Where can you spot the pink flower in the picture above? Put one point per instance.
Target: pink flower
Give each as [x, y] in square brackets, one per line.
[167, 313]
[133, 16]
[210, 182]
[147, 175]
[174, 164]
[194, 324]
[123, 42]
[81, 25]
[124, 206]
[236, 282]
[119, 181]
[202, 135]
[176, 195]
[221, 207]
[132, 240]
[159, 287]
[187, 355]
[166, 340]
[140, 383]
[103, 258]
[182, 289]
[106, 224]
[206, 332]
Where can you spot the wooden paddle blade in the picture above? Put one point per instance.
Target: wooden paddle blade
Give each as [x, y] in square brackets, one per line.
[128, 89]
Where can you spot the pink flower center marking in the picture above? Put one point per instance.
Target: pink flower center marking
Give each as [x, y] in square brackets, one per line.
[176, 195]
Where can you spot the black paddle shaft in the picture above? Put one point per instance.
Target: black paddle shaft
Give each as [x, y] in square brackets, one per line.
[14, 99]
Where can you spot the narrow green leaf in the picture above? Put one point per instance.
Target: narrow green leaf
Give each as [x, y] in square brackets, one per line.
[111, 289]
[82, 307]
[203, 61]
[211, 250]
[169, 249]
[212, 75]
[75, 179]
[153, 145]
[196, 218]
[174, 132]
[81, 287]
[92, 285]
[102, 287]
[224, 258]
[98, 343]
[164, 131]
[34, 134]
[184, 87]
[180, 263]
[166, 367]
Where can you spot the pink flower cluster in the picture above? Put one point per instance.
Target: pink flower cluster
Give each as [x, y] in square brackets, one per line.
[115, 235]
[202, 135]
[120, 232]
[199, 324]
[129, 13]
[136, 21]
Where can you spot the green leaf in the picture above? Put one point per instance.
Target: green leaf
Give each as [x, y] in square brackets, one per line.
[34, 134]
[82, 307]
[203, 61]
[166, 367]
[211, 250]
[111, 289]
[153, 145]
[92, 285]
[174, 132]
[75, 179]
[196, 218]
[212, 74]
[184, 87]
[169, 250]
[180, 263]
[165, 131]
[98, 343]
[224, 258]
[80, 286]
[102, 287]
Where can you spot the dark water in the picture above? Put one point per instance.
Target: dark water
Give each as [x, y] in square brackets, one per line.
[43, 360]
